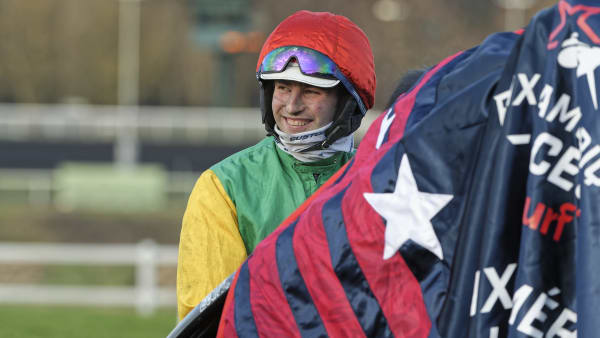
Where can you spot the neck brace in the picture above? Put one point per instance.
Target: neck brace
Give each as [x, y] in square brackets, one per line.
[296, 144]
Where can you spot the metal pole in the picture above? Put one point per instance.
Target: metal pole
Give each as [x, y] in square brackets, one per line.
[126, 143]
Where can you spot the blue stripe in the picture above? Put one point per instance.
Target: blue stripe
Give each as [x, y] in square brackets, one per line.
[244, 320]
[361, 298]
[430, 93]
[385, 172]
[305, 313]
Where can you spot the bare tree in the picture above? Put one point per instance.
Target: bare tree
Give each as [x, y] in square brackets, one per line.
[57, 50]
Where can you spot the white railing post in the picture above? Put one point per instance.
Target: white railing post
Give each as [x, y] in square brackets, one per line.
[146, 295]
[145, 277]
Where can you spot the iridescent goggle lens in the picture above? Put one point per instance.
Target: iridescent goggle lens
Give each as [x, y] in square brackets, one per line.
[311, 62]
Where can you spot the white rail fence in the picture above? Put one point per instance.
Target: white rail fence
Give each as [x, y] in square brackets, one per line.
[196, 125]
[146, 295]
[40, 187]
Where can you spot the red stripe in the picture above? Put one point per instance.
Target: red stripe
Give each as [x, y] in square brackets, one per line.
[394, 286]
[272, 314]
[314, 262]
[227, 323]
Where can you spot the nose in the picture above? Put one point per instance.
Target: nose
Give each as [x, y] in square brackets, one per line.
[295, 104]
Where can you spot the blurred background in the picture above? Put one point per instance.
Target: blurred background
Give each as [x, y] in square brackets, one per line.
[110, 109]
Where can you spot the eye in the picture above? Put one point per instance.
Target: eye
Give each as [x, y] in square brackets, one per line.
[312, 91]
[282, 87]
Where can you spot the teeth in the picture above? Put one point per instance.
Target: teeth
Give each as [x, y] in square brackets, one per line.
[296, 122]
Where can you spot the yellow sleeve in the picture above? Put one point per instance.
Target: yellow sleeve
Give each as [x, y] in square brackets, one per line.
[210, 245]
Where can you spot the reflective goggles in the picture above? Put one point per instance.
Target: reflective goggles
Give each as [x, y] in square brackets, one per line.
[311, 62]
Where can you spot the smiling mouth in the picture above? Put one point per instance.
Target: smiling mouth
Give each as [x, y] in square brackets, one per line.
[297, 122]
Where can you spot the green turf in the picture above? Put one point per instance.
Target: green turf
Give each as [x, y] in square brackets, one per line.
[88, 275]
[66, 322]
[27, 223]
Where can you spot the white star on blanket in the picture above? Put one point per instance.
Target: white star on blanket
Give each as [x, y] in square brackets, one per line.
[408, 213]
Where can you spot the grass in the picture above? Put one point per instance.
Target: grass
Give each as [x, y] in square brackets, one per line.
[79, 275]
[62, 321]
[46, 224]
[27, 223]
[89, 275]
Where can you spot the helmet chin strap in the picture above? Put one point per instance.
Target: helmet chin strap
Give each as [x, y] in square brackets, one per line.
[266, 98]
[341, 126]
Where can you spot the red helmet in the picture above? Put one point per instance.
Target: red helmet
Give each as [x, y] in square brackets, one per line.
[328, 49]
